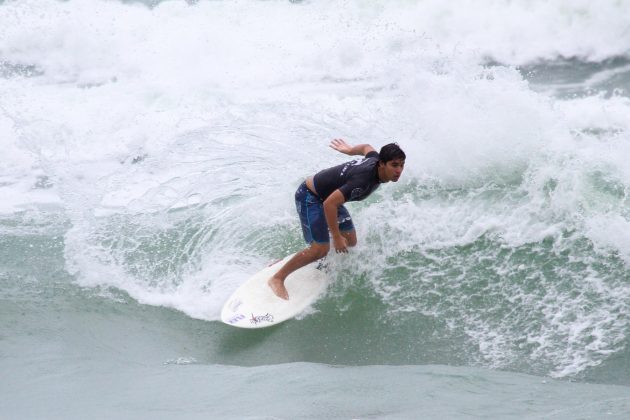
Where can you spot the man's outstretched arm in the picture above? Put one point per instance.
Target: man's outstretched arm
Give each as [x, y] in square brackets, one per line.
[360, 149]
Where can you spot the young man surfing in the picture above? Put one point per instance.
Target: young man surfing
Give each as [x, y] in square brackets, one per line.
[320, 198]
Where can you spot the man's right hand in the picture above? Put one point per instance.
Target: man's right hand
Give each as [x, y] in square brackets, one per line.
[340, 243]
[341, 146]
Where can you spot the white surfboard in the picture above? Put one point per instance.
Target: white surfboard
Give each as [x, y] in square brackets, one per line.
[254, 305]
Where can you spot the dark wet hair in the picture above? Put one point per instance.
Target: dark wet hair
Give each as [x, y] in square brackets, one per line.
[391, 151]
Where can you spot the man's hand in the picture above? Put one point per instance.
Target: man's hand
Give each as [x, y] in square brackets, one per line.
[340, 243]
[341, 146]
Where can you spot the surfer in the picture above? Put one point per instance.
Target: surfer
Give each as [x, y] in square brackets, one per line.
[319, 203]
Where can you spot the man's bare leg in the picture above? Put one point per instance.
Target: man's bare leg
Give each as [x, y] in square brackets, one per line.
[299, 260]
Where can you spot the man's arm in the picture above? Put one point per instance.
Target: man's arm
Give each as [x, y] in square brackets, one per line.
[360, 149]
[331, 204]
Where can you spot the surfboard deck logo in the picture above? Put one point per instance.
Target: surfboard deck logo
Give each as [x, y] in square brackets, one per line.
[235, 319]
[234, 305]
[257, 319]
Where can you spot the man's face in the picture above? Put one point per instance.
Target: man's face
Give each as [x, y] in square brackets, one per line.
[393, 169]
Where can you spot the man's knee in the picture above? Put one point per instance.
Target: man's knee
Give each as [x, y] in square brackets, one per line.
[319, 250]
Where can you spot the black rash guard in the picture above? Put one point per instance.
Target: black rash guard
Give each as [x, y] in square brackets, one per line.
[356, 179]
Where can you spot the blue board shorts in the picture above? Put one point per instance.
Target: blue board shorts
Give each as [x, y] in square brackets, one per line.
[310, 208]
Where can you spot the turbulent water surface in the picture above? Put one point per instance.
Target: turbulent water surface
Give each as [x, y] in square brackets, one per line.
[150, 155]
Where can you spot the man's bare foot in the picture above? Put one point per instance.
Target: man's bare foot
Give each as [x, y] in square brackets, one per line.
[277, 286]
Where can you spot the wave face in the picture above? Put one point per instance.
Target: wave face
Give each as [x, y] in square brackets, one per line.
[153, 149]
